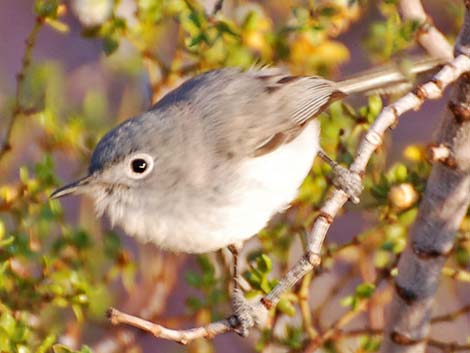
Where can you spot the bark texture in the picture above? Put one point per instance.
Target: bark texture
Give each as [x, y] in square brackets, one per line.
[442, 209]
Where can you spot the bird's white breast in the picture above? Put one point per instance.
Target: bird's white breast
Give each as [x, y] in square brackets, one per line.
[265, 186]
[271, 182]
[262, 187]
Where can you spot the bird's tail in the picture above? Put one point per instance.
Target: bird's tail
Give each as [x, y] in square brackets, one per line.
[391, 78]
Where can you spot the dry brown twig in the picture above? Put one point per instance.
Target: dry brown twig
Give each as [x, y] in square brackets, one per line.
[372, 139]
[18, 108]
[149, 295]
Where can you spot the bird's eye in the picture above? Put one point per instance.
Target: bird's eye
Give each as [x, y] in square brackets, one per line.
[140, 165]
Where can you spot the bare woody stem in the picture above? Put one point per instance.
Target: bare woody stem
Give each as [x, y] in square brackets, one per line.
[18, 108]
[181, 336]
[371, 141]
[428, 36]
[442, 209]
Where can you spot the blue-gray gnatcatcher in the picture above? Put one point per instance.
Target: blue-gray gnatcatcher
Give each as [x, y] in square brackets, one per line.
[216, 158]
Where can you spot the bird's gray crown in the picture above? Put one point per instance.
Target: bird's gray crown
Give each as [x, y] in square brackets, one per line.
[138, 133]
[116, 145]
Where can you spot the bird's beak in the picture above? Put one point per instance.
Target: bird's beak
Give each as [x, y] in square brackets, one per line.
[77, 187]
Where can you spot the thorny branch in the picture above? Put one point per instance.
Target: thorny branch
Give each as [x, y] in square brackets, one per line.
[371, 141]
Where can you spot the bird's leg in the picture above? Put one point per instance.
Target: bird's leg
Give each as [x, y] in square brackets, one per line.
[343, 178]
[242, 320]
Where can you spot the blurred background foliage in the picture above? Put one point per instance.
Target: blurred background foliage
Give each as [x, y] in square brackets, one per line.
[60, 269]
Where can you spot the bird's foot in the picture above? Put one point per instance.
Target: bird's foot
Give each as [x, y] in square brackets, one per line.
[246, 315]
[347, 181]
[243, 313]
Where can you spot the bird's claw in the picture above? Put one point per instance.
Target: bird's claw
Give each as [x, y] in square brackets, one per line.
[243, 318]
[348, 181]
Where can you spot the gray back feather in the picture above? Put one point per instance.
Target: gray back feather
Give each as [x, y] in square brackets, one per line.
[232, 113]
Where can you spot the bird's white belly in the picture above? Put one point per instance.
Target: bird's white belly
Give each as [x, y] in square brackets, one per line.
[267, 184]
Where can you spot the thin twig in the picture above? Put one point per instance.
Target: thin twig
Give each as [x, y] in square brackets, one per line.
[305, 311]
[444, 346]
[371, 141]
[181, 336]
[336, 328]
[339, 284]
[451, 316]
[448, 346]
[217, 7]
[18, 108]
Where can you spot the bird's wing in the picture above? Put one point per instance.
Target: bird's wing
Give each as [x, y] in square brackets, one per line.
[248, 113]
[296, 100]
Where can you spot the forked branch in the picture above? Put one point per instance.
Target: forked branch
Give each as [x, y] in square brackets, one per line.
[441, 211]
[372, 139]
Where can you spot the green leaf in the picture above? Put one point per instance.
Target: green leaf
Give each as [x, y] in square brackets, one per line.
[286, 306]
[375, 107]
[264, 263]
[59, 26]
[193, 279]
[24, 175]
[226, 27]
[7, 241]
[110, 45]
[253, 278]
[60, 348]
[369, 344]
[196, 18]
[194, 303]
[294, 337]
[86, 349]
[112, 244]
[46, 8]
[8, 323]
[46, 344]
[347, 301]
[201, 37]
[409, 216]
[264, 284]
[365, 290]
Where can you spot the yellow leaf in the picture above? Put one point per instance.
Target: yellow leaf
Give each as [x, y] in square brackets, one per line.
[57, 25]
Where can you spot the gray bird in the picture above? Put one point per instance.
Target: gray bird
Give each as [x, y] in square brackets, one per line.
[216, 158]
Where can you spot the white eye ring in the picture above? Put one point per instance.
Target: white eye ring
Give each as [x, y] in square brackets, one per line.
[140, 165]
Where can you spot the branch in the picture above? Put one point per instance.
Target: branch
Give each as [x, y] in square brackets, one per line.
[442, 209]
[443, 346]
[335, 330]
[371, 141]
[451, 316]
[18, 108]
[150, 297]
[312, 259]
[428, 35]
[181, 336]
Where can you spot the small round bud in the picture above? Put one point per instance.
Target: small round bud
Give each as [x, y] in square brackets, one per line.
[402, 196]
